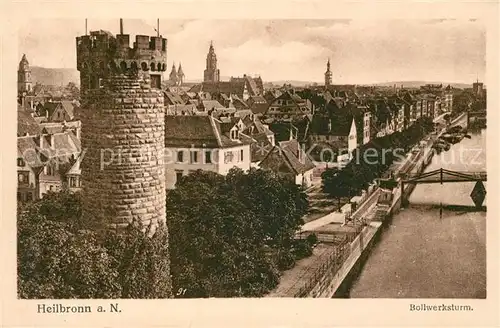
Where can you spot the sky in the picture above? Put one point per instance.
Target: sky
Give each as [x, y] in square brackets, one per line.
[360, 51]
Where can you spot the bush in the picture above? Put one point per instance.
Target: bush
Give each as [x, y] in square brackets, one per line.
[302, 249]
[312, 239]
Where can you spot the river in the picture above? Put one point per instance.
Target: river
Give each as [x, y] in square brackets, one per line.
[429, 251]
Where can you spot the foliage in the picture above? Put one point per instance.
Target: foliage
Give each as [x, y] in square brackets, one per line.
[221, 226]
[372, 160]
[61, 256]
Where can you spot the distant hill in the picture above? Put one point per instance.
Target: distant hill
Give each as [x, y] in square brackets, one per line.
[62, 76]
[418, 84]
[55, 76]
[408, 84]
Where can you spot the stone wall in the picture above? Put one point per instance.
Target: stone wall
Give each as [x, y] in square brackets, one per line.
[123, 175]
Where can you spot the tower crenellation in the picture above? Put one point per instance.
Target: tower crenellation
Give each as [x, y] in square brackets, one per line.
[123, 127]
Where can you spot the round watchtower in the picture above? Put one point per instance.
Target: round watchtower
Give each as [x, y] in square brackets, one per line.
[122, 115]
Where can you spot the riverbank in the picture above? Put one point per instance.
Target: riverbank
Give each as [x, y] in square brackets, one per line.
[341, 248]
[436, 246]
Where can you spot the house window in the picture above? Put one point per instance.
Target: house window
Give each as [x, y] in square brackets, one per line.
[51, 188]
[19, 196]
[228, 157]
[180, 156]
[20, 162]
[49, 170]
[194, 156]
[29, 196]
[241, 155]
[208, 157]
[21, 178]
[178, 176]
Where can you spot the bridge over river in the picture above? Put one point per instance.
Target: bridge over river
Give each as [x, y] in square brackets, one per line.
[433, 248]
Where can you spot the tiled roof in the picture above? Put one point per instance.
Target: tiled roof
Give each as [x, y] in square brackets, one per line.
[49, 107]
[27, 124]
[259, 108]
[339, 126]
[211, 104]
[69, 107]
[242, 113]
[173, 98]
[184, 131]
[259, 146]
[25, 145]
[258, 99]
[76, 167]
[53, 128]
[288, 152]
[199, 131]
[224, 87]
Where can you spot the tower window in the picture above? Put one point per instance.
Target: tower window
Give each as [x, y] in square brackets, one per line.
[123, 66]
[152, 66]
[144, 66]
[155, 81]
[159, 67]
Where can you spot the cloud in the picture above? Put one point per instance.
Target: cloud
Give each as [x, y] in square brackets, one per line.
[360, 50]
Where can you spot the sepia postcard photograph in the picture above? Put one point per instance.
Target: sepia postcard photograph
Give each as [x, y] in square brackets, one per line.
[270, 160]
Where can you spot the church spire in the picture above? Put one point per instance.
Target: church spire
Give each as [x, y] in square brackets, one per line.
[180, 75]
[211, 73]
[328, 74]
[173, 78]
[24, 83]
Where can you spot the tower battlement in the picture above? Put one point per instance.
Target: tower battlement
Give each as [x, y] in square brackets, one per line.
[103, 53]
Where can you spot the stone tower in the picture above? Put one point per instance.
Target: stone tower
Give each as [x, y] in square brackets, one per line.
[24, 84]
[173, 79]
[211, 73]
[123, 127]
[328, 74]
[180, 75]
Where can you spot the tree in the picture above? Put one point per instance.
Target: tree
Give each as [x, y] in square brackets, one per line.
[62, 255]
[336, 184]
[223, 230]
[56, 262]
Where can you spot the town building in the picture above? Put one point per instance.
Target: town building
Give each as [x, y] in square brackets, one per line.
[46, 153]
[203, 143]
[58, 111]
[289, 159]
[448, 99]
[288, 107]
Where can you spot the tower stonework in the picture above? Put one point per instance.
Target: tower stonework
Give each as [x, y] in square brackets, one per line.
[123, 127]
